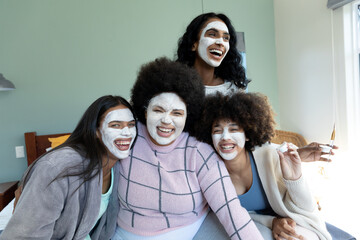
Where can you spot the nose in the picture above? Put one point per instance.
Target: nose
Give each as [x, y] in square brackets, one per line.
[166, 119]
[125, 131]
[219, 41]
[226, 134]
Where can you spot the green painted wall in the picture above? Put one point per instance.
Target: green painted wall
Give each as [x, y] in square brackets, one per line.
[62, 55]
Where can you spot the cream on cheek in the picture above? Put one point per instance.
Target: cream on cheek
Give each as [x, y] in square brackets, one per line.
[163, 126]
[124, 137]
[205, 42]
[237, 137]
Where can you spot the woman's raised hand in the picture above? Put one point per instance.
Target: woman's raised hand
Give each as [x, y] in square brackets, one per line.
[290, 162]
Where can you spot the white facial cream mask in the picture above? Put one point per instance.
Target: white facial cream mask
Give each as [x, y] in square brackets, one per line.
[205, 42]
[163, 126]
[118, 141]
[237, 137]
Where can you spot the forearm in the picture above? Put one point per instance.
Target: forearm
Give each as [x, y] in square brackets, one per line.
[298, 194]
[223, 200]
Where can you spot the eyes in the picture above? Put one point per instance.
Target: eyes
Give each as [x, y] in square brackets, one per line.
[175, 112]
[212, 33]
[220, 130]
[121, 124]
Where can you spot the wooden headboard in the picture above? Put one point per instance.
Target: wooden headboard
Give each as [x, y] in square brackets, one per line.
[36, 145]
[286, 136]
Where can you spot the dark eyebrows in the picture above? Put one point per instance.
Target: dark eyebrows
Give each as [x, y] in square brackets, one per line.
[117, 121]
[216, 30]
[212, 29]
[157, 106]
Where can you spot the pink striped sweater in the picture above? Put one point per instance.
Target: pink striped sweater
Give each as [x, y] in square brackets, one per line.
[166, 187]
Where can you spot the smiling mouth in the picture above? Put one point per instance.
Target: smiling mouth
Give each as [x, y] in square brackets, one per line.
[216, 53]
[227, 148]
[123, 144]
[165, 132]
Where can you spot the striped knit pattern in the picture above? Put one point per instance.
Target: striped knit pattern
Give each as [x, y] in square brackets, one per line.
[166, 187]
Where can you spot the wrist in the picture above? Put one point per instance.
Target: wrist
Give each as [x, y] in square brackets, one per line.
[274, 222]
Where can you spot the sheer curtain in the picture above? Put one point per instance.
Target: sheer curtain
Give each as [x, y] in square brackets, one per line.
[347, 90]
[344, 170]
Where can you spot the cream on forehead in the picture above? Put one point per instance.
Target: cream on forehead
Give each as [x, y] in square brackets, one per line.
[205, 42]
[120, 115]
[168, 101]
[217, 25]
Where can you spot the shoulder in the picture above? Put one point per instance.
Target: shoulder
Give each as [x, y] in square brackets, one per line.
[59, 160]
[204, 149]
[62, 156]
[266, 148]
[196, 143]
[265, 152]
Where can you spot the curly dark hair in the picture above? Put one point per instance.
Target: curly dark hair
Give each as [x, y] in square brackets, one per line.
[231, 68]
[164, 75]
[251, 111]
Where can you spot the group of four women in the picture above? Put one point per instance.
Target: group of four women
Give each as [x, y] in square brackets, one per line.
[152, 169]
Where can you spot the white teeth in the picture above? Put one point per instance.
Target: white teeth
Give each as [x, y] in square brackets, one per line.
[122, 142]
[226, 147]
[216, 51]
[167, 130]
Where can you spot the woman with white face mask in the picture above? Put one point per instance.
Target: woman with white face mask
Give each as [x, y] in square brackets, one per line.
[170, 179]
[269, 183]
[71, 191]
[209, 46]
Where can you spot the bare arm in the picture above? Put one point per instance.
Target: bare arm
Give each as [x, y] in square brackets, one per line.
[312, 152]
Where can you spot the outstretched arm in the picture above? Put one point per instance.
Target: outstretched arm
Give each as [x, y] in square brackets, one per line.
[313, 152]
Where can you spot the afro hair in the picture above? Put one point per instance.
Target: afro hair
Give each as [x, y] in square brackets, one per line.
[251, 111]
[163, 75]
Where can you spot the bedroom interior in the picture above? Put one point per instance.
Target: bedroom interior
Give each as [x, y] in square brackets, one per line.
[63, 55]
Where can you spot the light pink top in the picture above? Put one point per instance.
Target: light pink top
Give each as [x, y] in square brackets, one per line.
[163, 188]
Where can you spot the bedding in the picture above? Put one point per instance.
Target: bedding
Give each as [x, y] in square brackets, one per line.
[5, 215]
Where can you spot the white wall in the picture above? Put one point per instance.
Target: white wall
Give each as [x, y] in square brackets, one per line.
[310, 51]
[304, 65]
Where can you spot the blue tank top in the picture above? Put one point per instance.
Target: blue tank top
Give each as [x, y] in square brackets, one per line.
[255, 199]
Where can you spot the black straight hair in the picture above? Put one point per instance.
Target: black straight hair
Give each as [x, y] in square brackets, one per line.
[84, 139]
